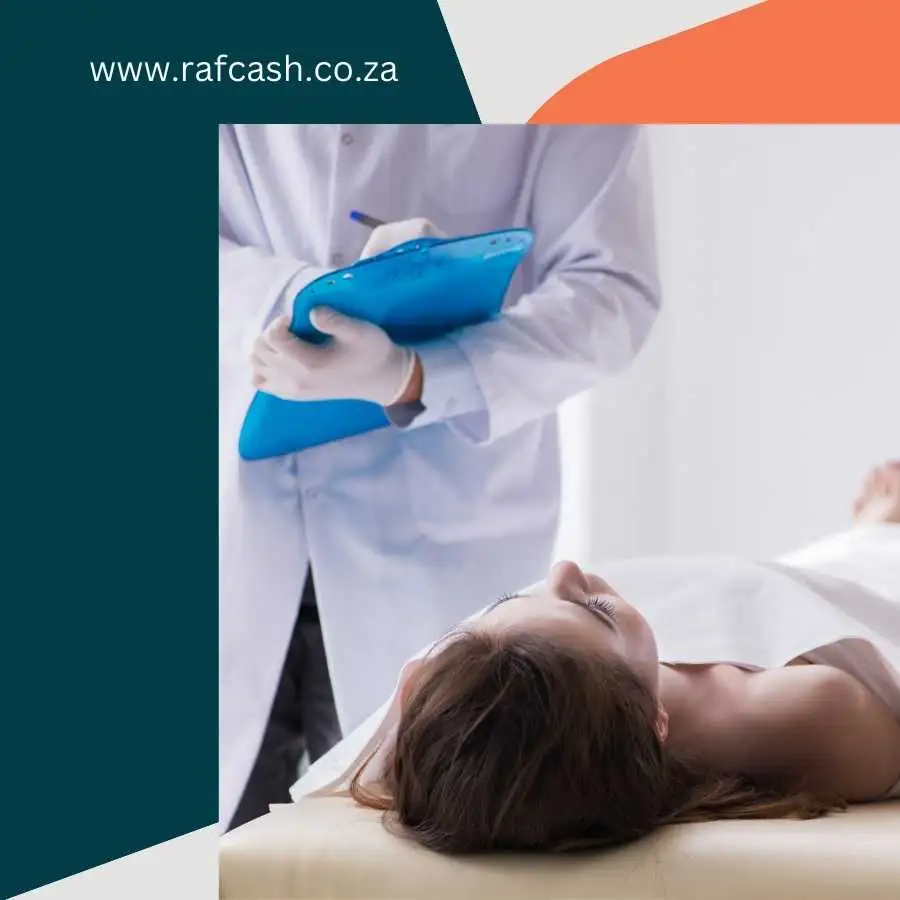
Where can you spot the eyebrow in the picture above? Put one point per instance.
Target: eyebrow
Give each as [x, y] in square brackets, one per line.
[596, 613]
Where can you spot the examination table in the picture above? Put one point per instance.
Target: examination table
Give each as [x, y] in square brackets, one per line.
[328, 847]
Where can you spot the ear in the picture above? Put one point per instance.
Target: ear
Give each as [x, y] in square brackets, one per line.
[662, 724]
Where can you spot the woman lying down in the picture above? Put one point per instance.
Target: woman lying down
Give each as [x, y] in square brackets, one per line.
[548, 722]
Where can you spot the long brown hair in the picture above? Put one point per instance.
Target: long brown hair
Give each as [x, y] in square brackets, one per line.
[513, 742]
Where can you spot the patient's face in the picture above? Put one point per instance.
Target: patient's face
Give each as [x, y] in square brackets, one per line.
[577, 606]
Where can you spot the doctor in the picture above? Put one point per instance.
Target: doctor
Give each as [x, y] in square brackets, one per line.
[393, 536]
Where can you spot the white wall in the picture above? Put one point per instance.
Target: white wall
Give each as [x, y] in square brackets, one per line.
[773, 379]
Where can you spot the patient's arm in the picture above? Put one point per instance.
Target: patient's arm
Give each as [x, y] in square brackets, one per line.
[831, 734]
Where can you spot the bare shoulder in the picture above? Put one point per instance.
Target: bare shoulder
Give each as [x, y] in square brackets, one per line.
[828, 730]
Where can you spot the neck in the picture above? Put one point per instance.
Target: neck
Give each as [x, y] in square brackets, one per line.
[673, 695]
[696, 699]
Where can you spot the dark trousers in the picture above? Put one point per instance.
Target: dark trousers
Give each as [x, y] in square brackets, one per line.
[303, 717]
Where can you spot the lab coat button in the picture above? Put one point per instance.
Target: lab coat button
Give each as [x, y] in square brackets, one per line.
[346, 139]
[337, 259]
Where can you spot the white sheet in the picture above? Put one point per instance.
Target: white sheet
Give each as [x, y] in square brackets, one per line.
[709, 609]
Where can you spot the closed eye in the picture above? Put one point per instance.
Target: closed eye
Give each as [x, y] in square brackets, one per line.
[502, 599]
[602, 604]
[601, 608]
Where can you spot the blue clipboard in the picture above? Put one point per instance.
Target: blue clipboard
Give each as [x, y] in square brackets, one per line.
[417, 291]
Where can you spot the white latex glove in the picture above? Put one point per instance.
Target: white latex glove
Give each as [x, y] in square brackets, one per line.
[359, 362]
[384, 237]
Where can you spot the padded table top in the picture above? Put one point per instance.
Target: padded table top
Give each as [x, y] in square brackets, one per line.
[327, 848]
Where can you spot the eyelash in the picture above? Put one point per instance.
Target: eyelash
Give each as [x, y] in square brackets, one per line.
[595, 601]
[502, 599]
[602, 604]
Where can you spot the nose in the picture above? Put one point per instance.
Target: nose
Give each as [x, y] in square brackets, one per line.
[566, 579]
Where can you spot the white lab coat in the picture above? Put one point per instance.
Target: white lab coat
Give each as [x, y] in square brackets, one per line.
[411, 529]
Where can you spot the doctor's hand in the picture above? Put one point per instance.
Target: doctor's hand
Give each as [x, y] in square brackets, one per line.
[359, 362]
[385, 237]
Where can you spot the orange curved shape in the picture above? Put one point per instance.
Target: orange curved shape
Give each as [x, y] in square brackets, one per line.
[801, 61]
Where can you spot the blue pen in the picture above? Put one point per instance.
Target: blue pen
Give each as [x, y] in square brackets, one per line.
[365, 219]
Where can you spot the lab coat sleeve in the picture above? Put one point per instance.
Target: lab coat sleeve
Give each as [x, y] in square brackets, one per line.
[256, 287]
[255, 284]
[595, 299]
